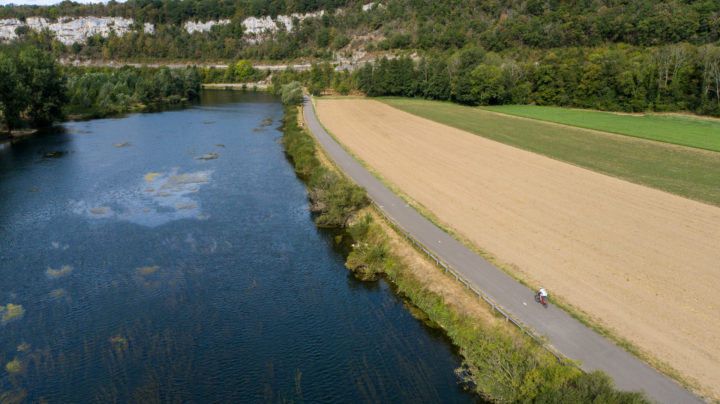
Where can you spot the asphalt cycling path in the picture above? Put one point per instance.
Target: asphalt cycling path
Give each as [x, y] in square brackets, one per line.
[564, 333]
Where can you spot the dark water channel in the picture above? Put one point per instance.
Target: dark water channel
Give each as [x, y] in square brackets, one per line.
[147, 274]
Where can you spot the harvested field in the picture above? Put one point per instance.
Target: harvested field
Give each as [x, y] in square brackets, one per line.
[643, 262]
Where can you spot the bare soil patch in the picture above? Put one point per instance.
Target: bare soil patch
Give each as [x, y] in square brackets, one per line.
[644, 263]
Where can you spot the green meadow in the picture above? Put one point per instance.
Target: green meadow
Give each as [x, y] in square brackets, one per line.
[684, 171]
[676, 129]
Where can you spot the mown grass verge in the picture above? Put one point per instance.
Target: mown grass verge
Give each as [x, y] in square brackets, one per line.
[676, 129]
[683, 171]
[500, 365]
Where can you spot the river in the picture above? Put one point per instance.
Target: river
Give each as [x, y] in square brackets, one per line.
[171, 257]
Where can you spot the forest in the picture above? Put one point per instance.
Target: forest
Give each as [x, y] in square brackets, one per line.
[35, 90]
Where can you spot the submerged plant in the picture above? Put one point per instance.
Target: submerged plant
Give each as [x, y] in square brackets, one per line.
[148, 270]
[151, 177]
[11, 312]
[56, 273]
[15, 366]
[56, 293]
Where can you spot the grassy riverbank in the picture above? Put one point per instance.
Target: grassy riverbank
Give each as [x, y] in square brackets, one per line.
[500, 363]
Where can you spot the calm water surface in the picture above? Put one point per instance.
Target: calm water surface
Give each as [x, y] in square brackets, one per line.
[148, 274]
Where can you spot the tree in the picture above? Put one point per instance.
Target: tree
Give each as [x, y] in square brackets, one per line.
[45, 85]
[244, 71]
[31, 86]
[13, 93]
[292, 93]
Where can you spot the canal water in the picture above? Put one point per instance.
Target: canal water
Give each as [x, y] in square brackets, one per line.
[171, 257]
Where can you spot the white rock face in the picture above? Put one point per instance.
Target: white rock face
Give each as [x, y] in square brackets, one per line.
[69, 30]
[191, 26]
[368, 6]
[254, 25]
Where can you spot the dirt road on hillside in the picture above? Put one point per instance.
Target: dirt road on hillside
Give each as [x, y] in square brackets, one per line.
[644, 262]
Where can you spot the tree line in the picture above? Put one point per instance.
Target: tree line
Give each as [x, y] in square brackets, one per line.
[618, 78]
[677, 77]
[35, 90]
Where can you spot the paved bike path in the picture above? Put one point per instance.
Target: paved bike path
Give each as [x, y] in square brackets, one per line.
[565, 334]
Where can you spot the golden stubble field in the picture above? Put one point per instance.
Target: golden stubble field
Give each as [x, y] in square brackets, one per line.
[644, 263]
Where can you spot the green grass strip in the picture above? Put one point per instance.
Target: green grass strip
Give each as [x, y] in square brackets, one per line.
[683, 171]
[675, 129]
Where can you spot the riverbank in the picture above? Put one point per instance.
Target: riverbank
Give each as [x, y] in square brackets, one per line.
[237, 86]
[500, 363]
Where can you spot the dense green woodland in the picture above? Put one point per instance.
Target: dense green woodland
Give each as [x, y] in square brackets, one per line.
[35, 90]
[624, 55]
[426, 24]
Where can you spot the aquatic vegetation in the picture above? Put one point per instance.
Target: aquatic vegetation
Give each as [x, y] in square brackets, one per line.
[11, 312]
[100, 210]
[208, 156]
[119, 343]
[13, 397]
[163, 194]
[56, 273]
[195, 178]
[33, 190]
[56, 154]
[58, 293]
[182, 207]
[266, 122]
[150, 189]
[220, 145]
[151, 177]
[15, 366]
[258, 130]
[122, 144]
[148, 270]
[209, 122]
[24, 347]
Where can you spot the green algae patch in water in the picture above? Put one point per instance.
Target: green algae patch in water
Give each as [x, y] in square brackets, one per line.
[208, 156]
[122, 144]
[194, 178]
[11, 312]
[58, 293]
[148, 270]
[56, 273]
[152, 177]
[13, 397]
[15, 366]
[24, 347]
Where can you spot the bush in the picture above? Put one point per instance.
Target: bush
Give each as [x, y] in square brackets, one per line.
[292, 93]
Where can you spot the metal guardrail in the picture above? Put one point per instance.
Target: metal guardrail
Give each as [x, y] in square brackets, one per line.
[460, 279]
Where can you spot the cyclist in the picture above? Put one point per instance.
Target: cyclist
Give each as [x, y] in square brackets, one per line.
[543, 295]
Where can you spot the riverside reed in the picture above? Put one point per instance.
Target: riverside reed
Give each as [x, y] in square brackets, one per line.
[500, 365]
